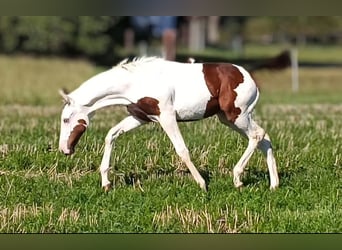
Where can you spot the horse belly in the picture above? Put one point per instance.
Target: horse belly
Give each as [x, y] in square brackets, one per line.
[191, 112]
[192, 101]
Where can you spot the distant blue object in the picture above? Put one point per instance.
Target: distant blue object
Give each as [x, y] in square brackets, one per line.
[158, 24]
[162, 23]
[141, 23]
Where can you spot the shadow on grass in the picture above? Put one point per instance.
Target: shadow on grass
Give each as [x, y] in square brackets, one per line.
[253, 177]
[131, 178]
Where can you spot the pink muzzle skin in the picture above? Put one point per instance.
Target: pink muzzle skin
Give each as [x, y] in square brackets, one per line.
[64, 149]
[74, 137]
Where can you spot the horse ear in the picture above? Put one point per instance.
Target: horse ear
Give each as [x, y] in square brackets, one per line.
[65, 96]
[64, 90]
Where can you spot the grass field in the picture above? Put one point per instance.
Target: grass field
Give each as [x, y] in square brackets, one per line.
[41, 190]
[321, 54]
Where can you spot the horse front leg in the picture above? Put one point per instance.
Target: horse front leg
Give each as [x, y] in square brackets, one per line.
[169, 124]
[125, 125]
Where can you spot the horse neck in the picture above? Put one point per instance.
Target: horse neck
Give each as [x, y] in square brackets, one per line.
[102, 90]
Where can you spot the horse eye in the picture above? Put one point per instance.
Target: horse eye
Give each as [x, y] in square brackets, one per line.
[66, 120]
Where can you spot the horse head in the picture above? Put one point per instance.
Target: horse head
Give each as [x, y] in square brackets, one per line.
[74, 122]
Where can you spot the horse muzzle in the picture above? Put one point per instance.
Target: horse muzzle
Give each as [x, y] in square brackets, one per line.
[65, 150]
[75, 136]
[67, 147]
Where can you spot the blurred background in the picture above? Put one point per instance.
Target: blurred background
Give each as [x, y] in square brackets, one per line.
[107, 39]
[287, 55]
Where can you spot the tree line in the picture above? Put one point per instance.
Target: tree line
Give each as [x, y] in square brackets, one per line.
[100, 36]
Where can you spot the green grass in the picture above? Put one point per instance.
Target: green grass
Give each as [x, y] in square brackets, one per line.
[316, 85]
[314, 53]
[41, 190]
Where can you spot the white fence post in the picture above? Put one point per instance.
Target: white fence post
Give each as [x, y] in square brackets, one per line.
[197, 33]
[294, 69]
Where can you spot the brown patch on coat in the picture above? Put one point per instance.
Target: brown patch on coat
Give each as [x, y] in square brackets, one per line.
[143, 108]
[212, 107]
[221, 80]
[76, 134]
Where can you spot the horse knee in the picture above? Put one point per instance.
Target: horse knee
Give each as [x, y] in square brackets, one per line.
[109, 139]
[258, 134]
[111, 136]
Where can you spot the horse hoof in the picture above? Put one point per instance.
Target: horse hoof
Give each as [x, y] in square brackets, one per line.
[107, 188]
[205, 189]
[237, 182]
[203, 186]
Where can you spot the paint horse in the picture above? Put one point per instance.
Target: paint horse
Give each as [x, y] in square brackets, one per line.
[156, 90]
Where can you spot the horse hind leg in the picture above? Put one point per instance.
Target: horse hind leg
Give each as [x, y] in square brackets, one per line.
[254, 134]
[265, 146]
[257, 137]
[261, 139]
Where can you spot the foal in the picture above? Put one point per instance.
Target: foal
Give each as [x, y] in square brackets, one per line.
[156, 90]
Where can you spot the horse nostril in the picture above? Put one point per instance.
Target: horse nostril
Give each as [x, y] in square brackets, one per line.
[68, 153]
[71, 151]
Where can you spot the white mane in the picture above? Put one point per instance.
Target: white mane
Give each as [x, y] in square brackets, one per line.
[137, 61]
